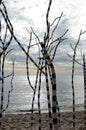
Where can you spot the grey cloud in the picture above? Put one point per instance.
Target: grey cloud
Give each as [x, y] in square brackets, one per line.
[15, 10]
[63, 49]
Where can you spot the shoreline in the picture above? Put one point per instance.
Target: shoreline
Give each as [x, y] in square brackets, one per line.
[78, 107]
[23, 121]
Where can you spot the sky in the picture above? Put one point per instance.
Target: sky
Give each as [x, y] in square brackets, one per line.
[32, 13]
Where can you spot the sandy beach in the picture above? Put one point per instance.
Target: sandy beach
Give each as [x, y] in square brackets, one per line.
[23, 121]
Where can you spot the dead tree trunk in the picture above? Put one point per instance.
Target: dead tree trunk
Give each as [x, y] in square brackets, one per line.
[84, 73]
[54, 90]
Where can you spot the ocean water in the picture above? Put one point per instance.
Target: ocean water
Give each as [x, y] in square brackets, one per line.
[21, 96]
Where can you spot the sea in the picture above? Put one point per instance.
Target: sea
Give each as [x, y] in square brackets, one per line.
[22, 94]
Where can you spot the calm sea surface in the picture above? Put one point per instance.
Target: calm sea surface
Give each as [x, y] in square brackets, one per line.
[21, 96]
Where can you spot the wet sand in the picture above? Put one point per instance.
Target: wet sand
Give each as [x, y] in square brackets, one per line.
[23, 121]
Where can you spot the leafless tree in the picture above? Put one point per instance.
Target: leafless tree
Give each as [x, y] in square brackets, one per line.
[46, 49]
[4, 51]
[74, 60]
[47, 46]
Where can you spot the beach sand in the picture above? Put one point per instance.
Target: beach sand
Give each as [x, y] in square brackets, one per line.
[23, 121]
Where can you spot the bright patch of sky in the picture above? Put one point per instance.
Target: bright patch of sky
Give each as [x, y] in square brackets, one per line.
[28, 13]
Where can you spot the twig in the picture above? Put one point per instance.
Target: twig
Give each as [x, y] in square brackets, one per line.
[75, 60]
[60, 39]
[35, 35]
[56, 26]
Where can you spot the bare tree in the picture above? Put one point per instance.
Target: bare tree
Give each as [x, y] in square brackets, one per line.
[4, 51]
[47, 46]
[73, 68]
[46, 49]
[74, 60]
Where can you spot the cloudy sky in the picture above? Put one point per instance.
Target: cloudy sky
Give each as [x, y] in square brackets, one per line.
[32, 13]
